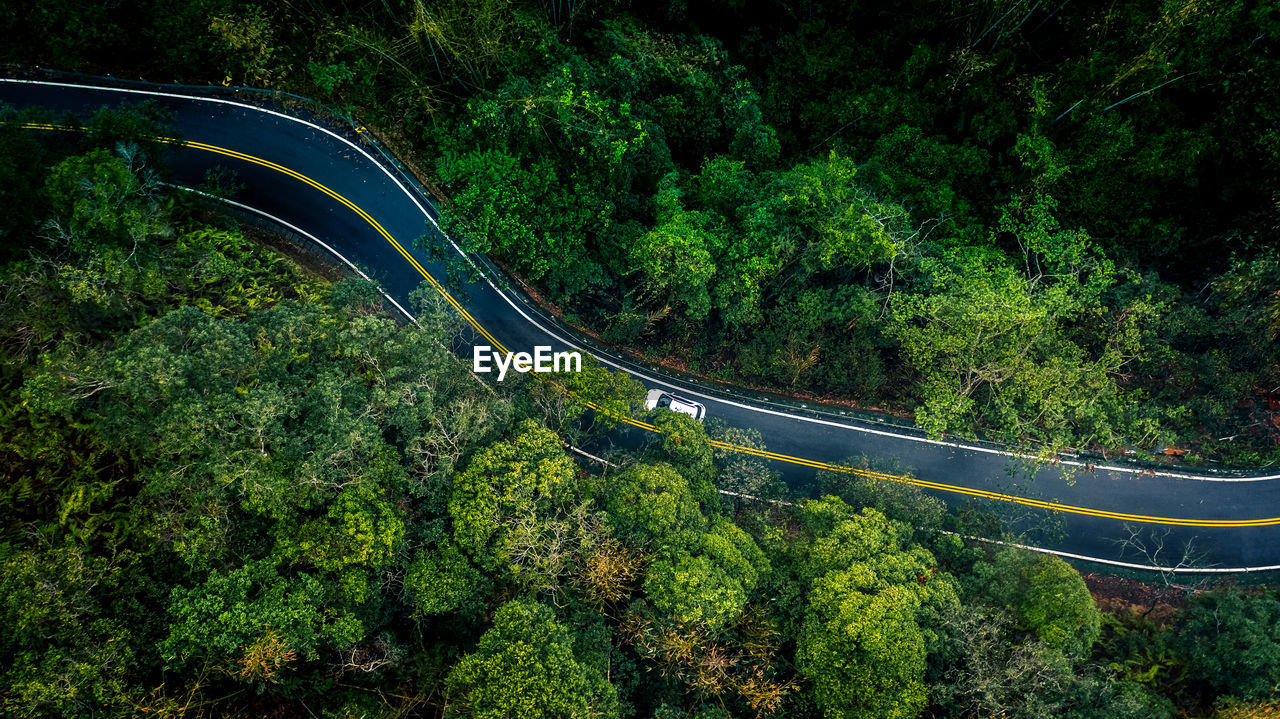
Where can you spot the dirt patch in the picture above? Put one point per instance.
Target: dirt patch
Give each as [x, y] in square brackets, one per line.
[1121, 594]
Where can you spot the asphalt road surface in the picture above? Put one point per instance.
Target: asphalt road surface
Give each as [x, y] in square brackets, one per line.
[330, 184]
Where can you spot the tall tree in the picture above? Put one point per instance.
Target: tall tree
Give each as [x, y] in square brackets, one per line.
[524, 667]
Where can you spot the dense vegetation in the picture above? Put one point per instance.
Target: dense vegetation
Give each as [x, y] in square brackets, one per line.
[1041, 222]
[233, 489]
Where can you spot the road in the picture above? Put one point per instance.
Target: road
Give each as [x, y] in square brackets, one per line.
[329, 184]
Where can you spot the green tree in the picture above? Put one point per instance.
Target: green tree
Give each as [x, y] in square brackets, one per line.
[357, 529]
[898, 500]
[995, 351]
[675, 266]
[442, 580]
[874, 615]
[653, 506]
[842, 224]
[233, 613]
[683, 443]
[1231, 638]
[708, 584]
[100, 199]
[527, 474]
[865, 655]
[70, 654]
[524, 667]
[1046, 595]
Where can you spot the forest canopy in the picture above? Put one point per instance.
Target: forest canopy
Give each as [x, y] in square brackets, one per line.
[236, 486]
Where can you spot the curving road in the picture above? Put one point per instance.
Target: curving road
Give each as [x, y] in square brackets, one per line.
[331, 185]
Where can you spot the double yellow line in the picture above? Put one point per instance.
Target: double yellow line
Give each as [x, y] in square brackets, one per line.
[826, 466]
[354, 208]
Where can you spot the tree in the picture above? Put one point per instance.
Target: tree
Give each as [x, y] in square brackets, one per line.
[996, 669]
[502, 483]
[70, 653]
[843, 225]
[524, 667]
[1231, 638]
[675, 267]
[468, 38]
[683, 443]
[865, 655]
[874, 614]
[442, 580]
[253, 614]
[651, 505]
[1046, 595]
[100, 199]
[708, 584]
[694, 590]
[250, 46]
[1248, 296]
[993, 347]
[357, 530]
[517, 511]
[515, 195]
[895, 499]
[747, 475]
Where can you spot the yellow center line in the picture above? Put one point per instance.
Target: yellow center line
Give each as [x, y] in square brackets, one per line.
[765, 454]
[1056, 506]
[354, 208]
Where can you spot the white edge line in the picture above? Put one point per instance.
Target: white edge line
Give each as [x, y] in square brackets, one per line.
[412, 198]
[1117, 563]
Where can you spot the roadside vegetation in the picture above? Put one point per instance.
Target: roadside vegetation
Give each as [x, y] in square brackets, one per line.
[231, 488]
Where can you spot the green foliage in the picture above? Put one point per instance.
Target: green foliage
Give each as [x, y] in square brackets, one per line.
[1230, 640]
[98, 194]
[1047, 597]
[514, 201]
[740, 473]
[1000, 669]
[69, 655]
[683, 443]
[873, 610]
[676, 266]
[442, 580]
[707, 585]
[694, 590]
[357, 530]
[996, 342]
[220, 620]
[865, 655]
[501, 483]
[652, 505]
[843, 225]
[250, 46]
[525, 667]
